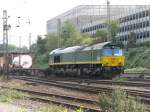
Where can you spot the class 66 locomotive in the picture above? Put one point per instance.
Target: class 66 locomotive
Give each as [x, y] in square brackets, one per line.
[98, 60]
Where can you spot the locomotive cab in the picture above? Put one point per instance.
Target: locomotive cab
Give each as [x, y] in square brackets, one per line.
[113, 58]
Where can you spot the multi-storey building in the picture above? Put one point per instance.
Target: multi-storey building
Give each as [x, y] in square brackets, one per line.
[135, 19]
[90, 18]
[79, 16]
[82, 15]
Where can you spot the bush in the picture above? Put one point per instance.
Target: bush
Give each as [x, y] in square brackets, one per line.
[137, 70]
[9, 95]
[138, 57]
[119, 102]
[41, 60]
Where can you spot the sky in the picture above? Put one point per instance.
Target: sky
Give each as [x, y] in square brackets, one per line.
[39, 11]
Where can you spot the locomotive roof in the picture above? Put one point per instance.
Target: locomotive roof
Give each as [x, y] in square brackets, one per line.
[79, 48]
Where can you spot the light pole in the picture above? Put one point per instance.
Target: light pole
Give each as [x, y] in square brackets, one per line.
[19, 41]
[108, 20]
[29, 22]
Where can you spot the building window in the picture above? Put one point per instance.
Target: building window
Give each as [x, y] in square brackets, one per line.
[131, 17]
[128, 28]
[120, 30]
[140, 15]
[141, 35]
[143, 13]
[125, 28]
[144, 34]
[134, 26]
[137, 25]
[127, 18]
[126, 38]
[83, 30]
[140, 25]
[136, 15]
[147, 34]
[147, 23]
[123, 20]
[94, 27]
[99, 26]
[120, 20]
[137, 35]
[131, 27]
[144, 25]
[147, 13]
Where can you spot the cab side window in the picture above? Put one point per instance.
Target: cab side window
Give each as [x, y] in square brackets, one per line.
[56, 59]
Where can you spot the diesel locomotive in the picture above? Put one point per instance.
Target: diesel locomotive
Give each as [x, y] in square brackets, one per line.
[97, 60]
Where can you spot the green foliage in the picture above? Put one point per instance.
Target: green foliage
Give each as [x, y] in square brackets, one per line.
[86, 39]
[138, 57]
[41, 61]
[120, 79]
[113, 30]
[53, 109]
[131, 40]
[9, 95]
[41, 48]
[119, 102]
[114, 25]
[22, 110]
[71, 36]
[101, 35]
[11, 47]
[4, 78]
[137, 70]
[79, 110]
[52, 41]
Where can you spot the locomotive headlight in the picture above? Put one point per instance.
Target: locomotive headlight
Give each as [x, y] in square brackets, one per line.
[120, 63]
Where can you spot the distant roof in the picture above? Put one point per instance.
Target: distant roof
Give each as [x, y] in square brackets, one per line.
[78, 48]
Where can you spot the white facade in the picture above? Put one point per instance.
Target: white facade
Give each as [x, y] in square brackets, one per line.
[134, 19]
[90, 18]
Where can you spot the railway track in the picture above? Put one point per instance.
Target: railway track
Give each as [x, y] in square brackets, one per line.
[86, 85]
[68, 101]
[143, 94]
[90, 81]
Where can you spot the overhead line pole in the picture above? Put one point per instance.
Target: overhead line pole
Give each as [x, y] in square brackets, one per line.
[108, 20]
[5, 40]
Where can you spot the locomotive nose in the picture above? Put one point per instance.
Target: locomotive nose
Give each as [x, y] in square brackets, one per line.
[113, 61]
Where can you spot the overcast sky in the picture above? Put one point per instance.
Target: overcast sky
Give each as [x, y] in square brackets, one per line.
[39, 11]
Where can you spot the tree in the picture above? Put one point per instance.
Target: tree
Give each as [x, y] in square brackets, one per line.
[131, 40]
[86, 39]
[101, 35]
[70, 35]
[33, 48]
[52, 41]
[114, 27]
[41, 48]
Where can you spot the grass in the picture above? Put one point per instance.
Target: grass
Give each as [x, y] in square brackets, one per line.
[52, 108]
[137, 70]
[119, 79]
[119, 101]
[22, 110]
[3, 78]
[9, 95]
